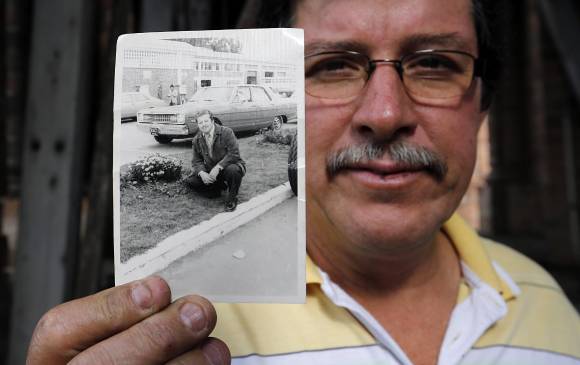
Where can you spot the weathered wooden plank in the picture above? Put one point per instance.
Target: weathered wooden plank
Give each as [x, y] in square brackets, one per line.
[4, 30]
[52, 163]
[15, 53]
[248, 15]
[194, 15]
[563, 20]
[156, 16]
[98, 235]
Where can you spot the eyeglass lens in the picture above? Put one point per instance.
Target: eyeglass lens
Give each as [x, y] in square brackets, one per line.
[426, 75]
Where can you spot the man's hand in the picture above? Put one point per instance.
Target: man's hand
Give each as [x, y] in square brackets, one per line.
[215, 171]
[130, 324]
[206, 178]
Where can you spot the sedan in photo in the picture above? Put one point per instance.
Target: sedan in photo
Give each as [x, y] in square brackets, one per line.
[241, 107]
[132, 102]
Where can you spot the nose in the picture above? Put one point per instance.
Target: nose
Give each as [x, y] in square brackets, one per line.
[384, 111]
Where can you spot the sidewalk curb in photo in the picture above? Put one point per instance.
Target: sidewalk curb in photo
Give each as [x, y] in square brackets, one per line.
[192, 239]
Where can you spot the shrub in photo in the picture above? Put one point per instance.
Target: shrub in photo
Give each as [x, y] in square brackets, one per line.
[280, 136]
[153, 168]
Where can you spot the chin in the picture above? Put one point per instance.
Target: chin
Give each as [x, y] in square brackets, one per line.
[393, 228]
[369, 225]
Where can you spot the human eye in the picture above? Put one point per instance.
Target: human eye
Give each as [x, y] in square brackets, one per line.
[329, 67]
[436, 65]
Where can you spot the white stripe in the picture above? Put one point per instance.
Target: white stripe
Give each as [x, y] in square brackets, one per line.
[505, 355]
[471, 318]
[366, 355]
[342, 299]
[377, 355]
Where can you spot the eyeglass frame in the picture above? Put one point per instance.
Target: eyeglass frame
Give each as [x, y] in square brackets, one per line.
[478, 63]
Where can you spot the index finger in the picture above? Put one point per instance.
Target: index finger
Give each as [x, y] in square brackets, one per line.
[72, 327]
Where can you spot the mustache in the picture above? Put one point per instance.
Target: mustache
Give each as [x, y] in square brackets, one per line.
[400, 152]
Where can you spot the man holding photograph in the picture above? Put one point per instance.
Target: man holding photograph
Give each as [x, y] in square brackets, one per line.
[216, 162]
[396, 93]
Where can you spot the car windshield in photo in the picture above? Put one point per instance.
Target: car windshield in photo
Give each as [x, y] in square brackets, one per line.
[221, 94]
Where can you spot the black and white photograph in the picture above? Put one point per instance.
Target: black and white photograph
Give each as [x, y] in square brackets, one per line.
[209, 163]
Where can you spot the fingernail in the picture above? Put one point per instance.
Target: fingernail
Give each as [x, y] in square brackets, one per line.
[141, 295]
[193, 317]
[214, 353]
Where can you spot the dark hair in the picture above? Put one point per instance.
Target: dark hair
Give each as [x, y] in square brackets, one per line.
[485, 17]
[279, 13]
[204, 112]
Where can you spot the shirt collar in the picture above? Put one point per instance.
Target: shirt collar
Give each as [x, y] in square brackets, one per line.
[211, 133]
[471, 252]
[312, 272]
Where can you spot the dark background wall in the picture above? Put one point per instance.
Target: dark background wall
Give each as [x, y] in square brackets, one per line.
[533, 189]
[57, 69]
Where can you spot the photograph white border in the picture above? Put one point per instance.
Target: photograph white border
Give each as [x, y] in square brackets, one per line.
[173, 247]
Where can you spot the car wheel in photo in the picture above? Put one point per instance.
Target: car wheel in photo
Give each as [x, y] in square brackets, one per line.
[277, 123]
[163, 139]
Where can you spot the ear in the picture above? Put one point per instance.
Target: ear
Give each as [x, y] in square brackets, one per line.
[484, 105]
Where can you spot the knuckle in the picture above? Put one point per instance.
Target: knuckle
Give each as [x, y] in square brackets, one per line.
[111, 305]
[52, 325]
[157, 336]
[53, 336]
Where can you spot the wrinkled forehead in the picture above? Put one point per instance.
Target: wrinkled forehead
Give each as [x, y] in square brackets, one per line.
[393, 26]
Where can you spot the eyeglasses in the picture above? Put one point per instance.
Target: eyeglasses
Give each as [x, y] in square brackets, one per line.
[432, 77]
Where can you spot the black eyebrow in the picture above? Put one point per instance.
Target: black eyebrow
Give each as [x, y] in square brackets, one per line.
[453, 41]
[325, 46]
[413, 43]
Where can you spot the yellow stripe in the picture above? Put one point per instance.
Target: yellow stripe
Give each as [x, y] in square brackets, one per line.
[270, 329]
[312, 273]
[472, 252]
[528, 318]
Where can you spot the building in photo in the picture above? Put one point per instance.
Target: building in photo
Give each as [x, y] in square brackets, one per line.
[152, 66]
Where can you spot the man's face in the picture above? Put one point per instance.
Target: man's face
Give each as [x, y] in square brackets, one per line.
[386, 206]
[205, 123]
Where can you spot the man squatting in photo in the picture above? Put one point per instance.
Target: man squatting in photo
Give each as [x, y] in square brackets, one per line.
[396, 91]
[216, 162]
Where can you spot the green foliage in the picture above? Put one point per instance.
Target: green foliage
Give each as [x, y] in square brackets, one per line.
[275, 136]
[152, 168]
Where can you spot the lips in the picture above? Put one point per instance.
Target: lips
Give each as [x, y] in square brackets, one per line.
[383, 168]
[382, 175]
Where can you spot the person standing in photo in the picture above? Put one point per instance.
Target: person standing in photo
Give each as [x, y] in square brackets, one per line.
[159, 92]
[172, 95]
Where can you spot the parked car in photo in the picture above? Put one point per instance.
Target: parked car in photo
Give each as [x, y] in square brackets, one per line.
[132, 102]
[240, 107]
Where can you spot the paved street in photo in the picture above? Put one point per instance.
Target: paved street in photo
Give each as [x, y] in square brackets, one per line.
[258, 258]
[135, 144]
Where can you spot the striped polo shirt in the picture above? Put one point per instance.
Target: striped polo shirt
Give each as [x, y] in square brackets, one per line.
[509, 311]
